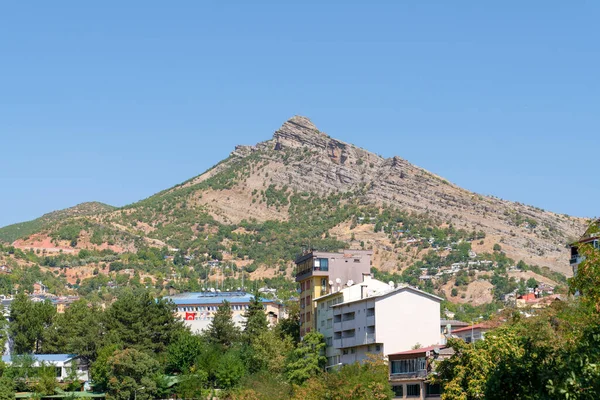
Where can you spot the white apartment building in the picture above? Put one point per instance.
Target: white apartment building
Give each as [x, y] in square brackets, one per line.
[374, 317]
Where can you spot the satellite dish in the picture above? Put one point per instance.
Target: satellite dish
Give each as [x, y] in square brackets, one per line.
[212, 289]
[350, 282]
[338, 280]
[330, 283]
[391, 283]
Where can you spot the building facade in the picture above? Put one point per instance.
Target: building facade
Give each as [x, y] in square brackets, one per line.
[63, 363]
[410, 372]
[376, 318]
[320, 273]
[197, 309]
[590, 237]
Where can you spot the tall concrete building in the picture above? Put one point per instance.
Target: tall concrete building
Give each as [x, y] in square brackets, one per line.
[320, 273]
[373, 317]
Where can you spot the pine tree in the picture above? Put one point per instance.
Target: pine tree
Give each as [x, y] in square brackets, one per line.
[256, 320]
[222, 331]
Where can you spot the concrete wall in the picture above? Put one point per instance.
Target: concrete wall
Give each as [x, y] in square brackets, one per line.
[405, 319]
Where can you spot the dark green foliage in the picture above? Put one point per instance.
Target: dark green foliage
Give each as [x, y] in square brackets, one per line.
[132, 374]
[308, 359]
[222, 331]
[7, 388]
[77, 331]
[28, 321]
[183, 352]
[256, 320]
[138, 320]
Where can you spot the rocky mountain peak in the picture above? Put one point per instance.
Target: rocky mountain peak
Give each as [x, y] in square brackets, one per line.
[299, 131]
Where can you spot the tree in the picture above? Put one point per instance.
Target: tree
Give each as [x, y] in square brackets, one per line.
[222, 330]
[256, 320]
[132, 374]
[100, 370]
[183, 352]
[7, 388]
[270, 351]
[78, 331]
[307, 359]
[28, 322]
[138, 320]
[230, 370]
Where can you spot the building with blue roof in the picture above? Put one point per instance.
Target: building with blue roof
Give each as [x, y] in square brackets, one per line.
[62, 362]
[197, 309]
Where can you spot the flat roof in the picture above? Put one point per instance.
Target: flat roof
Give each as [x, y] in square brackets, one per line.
[214, 298]
[418, 351]
[44, 357]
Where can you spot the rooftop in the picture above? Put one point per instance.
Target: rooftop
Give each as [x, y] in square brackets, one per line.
[45, 357]
[471, 327]
[214, 298]
[418, 351]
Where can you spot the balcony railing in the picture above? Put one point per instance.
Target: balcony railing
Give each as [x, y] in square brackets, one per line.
[406, 375]
[576, 259]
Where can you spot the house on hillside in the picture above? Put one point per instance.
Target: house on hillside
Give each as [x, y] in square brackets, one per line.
[39, 288]
[590, 237]
[61, 362]
[411, 370]
[471, 333]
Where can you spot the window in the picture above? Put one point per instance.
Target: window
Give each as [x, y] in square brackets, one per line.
[329, 341]
[413, 390]
[378, 348]
[370, 312]
[398, 391]
[329, 323]
[348, 316]
[321, 264]
[352, 350]
[307, 285]
[322, 323]
[408, 366]
[324, 282]
[345, 351]
[357, 260]
[337, 318]
[433, 390]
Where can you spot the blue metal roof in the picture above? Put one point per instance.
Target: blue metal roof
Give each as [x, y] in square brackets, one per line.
[200, 298]
[46, 357]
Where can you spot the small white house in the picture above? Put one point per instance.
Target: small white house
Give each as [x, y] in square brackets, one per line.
[62, 362]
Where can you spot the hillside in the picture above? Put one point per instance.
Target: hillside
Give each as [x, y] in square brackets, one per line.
[263, 204]
[13, 232]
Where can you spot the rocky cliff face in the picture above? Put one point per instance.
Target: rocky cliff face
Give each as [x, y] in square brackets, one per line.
[319, 163]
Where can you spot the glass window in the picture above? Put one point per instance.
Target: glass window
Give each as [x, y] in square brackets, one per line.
[323, 264]
[398, 391]
[409, 366]
[434, 390]
[413, 390]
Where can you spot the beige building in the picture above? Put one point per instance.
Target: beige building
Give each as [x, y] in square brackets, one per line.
[374, 317]
[197, 309]
[320, 273]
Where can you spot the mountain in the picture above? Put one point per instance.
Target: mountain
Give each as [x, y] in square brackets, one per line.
[264, 203]
[23, 229]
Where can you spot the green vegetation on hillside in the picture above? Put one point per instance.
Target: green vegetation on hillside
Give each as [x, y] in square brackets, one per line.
[20, 230]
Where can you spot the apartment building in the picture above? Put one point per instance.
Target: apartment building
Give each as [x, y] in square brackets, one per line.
[373, 317]
[324, 311]
[197, 309]
[320, 273]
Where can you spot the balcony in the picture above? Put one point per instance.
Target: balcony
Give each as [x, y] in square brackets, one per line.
[337, 326]
[409, 375]
[575, 259]
[371, 321]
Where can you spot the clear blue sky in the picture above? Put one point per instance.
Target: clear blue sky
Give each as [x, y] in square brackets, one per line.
[114, 101]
